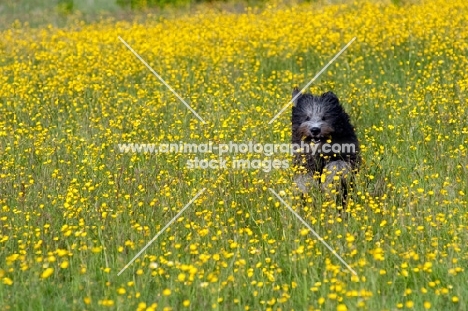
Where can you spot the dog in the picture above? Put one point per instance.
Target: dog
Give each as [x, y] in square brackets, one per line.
[325, 145]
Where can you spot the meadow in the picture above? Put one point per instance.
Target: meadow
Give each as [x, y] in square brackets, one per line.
[74, 210]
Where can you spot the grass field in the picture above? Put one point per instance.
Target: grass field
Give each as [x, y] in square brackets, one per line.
[74, 210]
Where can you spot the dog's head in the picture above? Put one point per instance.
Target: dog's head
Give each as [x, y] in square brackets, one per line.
[317, 118]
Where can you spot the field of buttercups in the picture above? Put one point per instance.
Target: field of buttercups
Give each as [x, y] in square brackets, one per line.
[74, 210]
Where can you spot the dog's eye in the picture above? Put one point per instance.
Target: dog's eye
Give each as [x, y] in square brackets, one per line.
[323, 118]
[307, 118]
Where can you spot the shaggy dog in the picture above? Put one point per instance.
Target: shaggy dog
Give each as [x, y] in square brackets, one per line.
[326, 149]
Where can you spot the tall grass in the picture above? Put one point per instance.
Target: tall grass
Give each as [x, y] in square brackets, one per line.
[75, 211]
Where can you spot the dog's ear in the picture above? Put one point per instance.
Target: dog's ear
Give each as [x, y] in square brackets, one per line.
[295, 96]
[330, 97]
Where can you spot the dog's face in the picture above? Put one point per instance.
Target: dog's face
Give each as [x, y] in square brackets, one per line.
[315, 118]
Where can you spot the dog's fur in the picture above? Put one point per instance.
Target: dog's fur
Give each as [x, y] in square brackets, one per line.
[322, 120]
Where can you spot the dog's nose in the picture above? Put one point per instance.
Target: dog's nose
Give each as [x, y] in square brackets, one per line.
[315, 130]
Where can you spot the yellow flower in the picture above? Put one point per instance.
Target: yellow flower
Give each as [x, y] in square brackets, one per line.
[47, 272]
[341, 307]
[107, 302]
[181, 277]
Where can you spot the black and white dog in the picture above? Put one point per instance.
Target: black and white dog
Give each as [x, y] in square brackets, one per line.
[326, 148]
